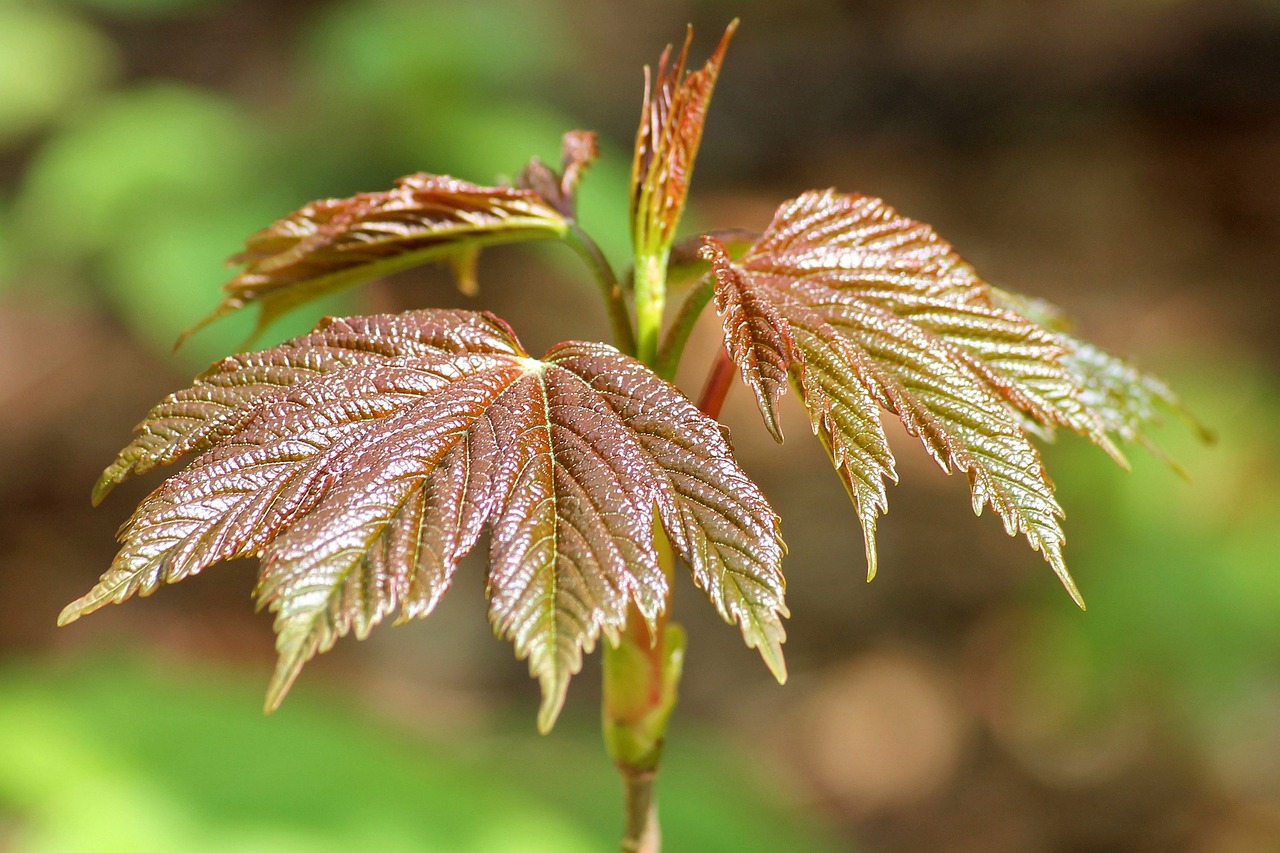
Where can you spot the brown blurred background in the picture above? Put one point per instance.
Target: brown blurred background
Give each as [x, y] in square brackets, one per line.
[1121, 159]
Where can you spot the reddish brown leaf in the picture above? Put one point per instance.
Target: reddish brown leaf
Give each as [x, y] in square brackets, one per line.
[362, 461]
[671, 122]
[578, 151]
[868, 310]
[756, 336]
[330, 244]
[718, 519]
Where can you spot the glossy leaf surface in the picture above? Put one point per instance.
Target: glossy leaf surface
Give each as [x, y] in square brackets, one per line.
[333, 243]
[865, 310]
[671, 122]
[362, 461]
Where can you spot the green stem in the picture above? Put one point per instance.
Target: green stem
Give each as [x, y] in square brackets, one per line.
[642, 833]
[610, 288]
[641, 679]
[677, 336]
[651, 301]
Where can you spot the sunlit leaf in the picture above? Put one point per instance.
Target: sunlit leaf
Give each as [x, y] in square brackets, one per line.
[333, 243]
[720, 522]
[1127, 400]
[671, 122]
[865, 310]
[362, 461]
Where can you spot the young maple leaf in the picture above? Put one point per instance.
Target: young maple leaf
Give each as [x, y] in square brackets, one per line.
[578, 150]
[671, 122]
[362, 461]
[863, 309]
[333, 243]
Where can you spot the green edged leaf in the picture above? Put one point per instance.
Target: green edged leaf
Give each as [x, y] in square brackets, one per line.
[572, 526]
[714, 515]
[363, 461]
[867, 310]
[334, 243]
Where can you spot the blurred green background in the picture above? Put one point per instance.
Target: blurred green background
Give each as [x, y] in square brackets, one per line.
[1120, 159]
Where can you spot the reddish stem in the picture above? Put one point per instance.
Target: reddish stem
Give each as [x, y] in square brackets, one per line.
[719, 381]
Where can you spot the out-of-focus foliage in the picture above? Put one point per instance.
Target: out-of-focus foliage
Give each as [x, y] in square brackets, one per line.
[148, 187]
[1184, 584]
[147, 8]
[1149, 119]
[115, 755]
[49, 61]
[6, 249]
[129, 155]
[151, 186]
[372, 51]
[479, 96]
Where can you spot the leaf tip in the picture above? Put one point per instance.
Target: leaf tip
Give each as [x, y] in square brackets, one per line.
[1109, 447]
[288, 665]
[1169, 462]
[1060, 569]
[86, 604]
[286, 673]
[102, 488]
[767, 636]
[222, 310]
[770, 414]
[71, 613]
[772, 653]
[717, 58]
[553, 696]
[182, 339]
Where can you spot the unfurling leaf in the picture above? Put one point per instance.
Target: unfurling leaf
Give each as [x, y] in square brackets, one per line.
[864, 309]
[578, 150]
[330, 244]
[671, 122]
[362, 461]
